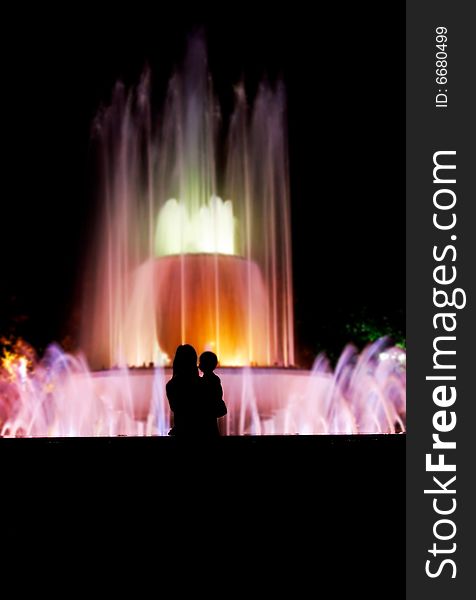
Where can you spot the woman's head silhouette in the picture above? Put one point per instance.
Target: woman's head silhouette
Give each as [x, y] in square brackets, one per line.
[185, 361]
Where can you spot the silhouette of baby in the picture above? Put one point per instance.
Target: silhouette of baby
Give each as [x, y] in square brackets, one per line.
[207, 365]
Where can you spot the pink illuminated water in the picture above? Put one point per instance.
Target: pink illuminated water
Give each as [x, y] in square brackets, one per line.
[62, 397]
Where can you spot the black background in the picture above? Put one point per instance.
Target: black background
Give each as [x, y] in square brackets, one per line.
[344, 78]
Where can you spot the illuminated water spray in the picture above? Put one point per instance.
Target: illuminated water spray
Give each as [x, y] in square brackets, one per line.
[185, 255]
[193, 245]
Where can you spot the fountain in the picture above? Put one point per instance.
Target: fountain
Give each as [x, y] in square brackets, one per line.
[176, 263]
[194, 246]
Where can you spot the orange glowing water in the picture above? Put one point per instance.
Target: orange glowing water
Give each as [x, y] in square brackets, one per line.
[216, 313]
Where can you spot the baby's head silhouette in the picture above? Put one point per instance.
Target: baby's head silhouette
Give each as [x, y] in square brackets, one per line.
[208, 362]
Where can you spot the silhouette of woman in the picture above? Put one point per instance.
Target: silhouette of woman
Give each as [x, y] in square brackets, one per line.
[191, 400]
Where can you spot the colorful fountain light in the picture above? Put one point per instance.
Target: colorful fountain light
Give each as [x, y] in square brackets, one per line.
[177, 261]
[186, 256]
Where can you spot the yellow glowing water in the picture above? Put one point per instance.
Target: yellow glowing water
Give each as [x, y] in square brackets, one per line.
[209, 228]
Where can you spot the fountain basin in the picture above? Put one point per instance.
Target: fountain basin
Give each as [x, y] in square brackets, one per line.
[260, 401]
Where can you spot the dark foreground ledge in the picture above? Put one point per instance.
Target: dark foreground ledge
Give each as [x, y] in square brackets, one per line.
[360, 466]
[378, 451]
[245, 440]
[340, 457]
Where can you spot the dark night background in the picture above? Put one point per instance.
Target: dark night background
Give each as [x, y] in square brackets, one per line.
[304, 510]
[345, 114]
